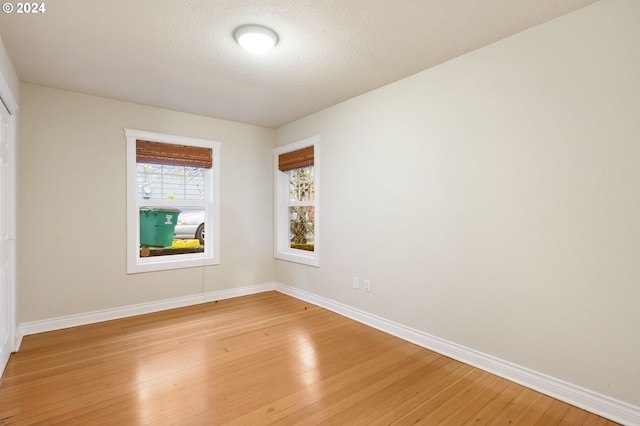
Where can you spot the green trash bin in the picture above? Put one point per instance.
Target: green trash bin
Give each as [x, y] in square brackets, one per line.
[157, 226]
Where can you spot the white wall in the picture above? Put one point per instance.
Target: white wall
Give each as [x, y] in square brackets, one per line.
[72, 205]
[494, 201]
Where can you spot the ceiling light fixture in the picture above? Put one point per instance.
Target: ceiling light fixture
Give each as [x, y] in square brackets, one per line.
[256, 39]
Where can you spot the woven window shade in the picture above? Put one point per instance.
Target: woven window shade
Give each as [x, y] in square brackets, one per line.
[175, 155]
[296, 159]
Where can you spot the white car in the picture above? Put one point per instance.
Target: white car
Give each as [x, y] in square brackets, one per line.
[190, 225]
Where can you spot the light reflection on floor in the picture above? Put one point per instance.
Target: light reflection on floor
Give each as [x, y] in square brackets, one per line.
[308, 357]
[157, 379]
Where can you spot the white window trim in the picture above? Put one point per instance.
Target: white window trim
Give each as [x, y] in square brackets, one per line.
[211, 255]
[282, 248]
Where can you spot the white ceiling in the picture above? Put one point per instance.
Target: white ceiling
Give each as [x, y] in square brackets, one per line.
[181, 54]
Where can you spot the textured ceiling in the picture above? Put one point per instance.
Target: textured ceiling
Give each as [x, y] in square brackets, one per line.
[181, 55]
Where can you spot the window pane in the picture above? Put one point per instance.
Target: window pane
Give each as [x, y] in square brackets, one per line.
[301, 184]
[162, 182]
[302, 227]
[169, 231]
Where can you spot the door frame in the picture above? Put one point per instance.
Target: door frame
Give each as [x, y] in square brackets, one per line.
[8, 100]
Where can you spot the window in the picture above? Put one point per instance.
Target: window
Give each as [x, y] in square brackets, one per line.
[297, 195]
[172, 198]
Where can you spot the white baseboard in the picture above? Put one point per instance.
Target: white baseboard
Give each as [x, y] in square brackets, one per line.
[594, 402]
[34, 327]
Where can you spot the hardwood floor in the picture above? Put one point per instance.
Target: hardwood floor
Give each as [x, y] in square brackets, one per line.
[265, 358]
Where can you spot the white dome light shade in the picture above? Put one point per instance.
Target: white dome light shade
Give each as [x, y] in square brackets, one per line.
[256, 39]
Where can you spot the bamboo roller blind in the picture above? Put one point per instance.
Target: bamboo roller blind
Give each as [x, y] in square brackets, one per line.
[176, 155]
[296, 159]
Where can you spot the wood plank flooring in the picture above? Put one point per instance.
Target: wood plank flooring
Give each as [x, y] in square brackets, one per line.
[260, 359]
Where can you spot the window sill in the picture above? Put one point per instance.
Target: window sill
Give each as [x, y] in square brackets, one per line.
[303, 257]
[161, 263]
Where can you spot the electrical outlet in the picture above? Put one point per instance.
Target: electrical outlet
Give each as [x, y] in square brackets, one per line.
[356, 283]
[367, 285]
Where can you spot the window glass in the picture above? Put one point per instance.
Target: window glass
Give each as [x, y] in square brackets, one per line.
[302, 227]
[301, 184]
[161, 181]
[301, 209]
